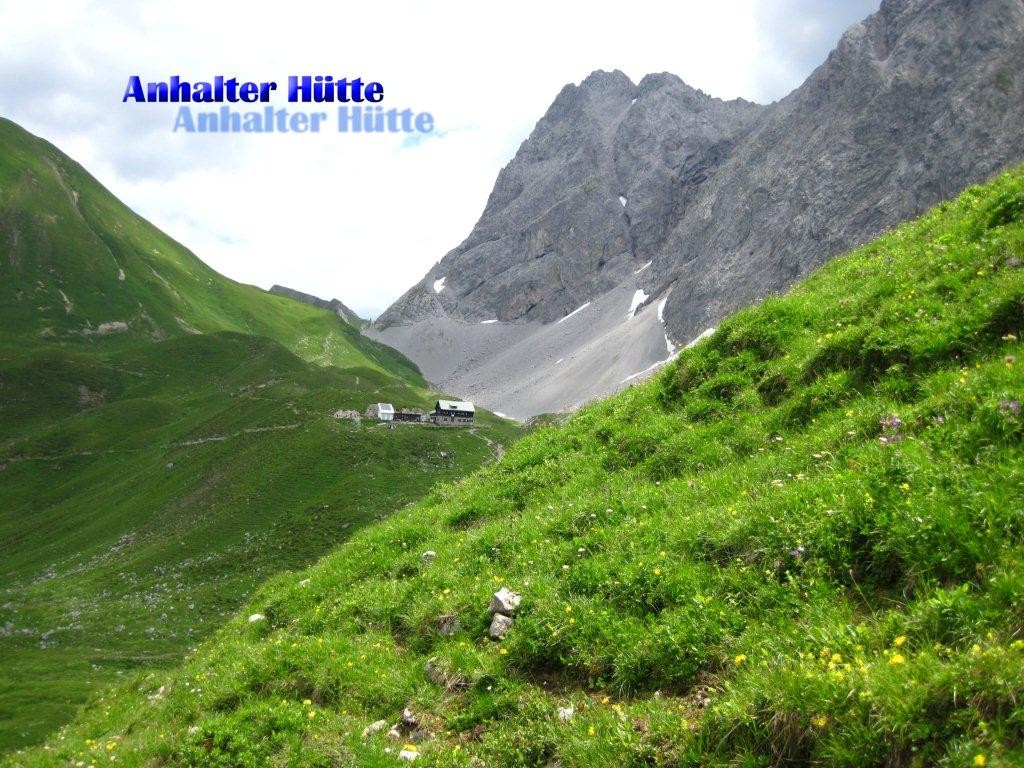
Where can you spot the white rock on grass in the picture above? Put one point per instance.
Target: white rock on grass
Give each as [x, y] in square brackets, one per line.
[504, 601]
[427, 556]
[409, 752]
[565, 714]
[374, 727]
[256, 617]
[500, 625]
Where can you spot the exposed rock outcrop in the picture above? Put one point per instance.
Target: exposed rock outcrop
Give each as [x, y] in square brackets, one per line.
[631, 195]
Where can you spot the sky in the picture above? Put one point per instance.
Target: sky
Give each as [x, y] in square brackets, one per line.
[363, 217]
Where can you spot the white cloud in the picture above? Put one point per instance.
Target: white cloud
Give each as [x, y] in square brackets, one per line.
[330, 213]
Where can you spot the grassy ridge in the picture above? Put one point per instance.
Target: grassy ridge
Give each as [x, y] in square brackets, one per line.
[76, 259]
[800, 544]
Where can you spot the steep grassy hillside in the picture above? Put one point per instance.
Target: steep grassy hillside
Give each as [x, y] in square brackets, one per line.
[79, 267]
[162, 450]
[799, 545]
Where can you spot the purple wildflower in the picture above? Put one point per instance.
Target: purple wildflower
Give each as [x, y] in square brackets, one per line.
[891, 427]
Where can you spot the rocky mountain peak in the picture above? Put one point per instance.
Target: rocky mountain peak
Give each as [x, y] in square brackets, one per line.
[698, 206]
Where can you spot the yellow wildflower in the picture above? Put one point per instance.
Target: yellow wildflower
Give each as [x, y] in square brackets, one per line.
[819, 721]
[739, 659]
[897, 658]
[980, 759]
[899, 641]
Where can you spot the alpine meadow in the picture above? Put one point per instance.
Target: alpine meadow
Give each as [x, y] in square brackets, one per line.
[799, 544]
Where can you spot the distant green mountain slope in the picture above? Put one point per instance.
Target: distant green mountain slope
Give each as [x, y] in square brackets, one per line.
[78, 267]
[167, 440]
[801, 544]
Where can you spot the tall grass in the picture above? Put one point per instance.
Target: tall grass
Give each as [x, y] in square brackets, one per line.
[801, 544]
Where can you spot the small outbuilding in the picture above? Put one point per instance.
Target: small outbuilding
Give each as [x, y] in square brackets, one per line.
[453, 413]
[381, 411]
[409, 414]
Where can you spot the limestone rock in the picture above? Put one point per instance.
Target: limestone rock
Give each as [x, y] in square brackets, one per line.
[504, 601]
[500, 625]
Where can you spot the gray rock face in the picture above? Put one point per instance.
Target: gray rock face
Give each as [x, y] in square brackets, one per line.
[554, 232]
[915, 103]
[729, 201]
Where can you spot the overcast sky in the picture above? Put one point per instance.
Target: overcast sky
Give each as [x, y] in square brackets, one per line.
[356, 217]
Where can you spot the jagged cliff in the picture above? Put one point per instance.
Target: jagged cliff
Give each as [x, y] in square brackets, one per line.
[728, 201]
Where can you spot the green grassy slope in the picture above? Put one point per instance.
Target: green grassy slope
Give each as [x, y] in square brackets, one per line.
[153, 472]
[801, 544]
[164, 483]
[76, 264]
